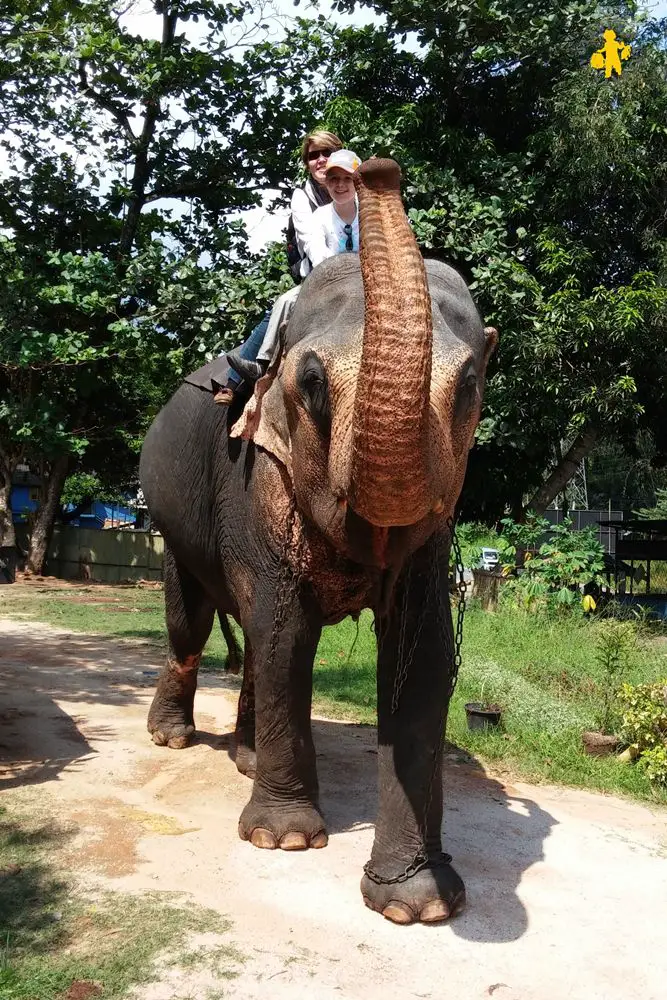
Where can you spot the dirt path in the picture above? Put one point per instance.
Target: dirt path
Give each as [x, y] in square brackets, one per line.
[567, 891]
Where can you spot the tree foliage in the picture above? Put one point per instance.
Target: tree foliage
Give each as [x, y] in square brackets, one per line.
[544, 184]
[120, 267]
[127, 156]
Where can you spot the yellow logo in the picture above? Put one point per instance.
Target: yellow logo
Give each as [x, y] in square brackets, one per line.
[609, 56]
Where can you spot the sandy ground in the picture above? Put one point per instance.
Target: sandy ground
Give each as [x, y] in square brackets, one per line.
[567, 891]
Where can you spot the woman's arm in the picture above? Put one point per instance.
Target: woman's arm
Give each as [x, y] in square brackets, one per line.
[316, 248]
[302, 214]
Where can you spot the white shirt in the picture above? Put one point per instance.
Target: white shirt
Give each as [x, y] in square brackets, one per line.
[327, 236]
[302, 216]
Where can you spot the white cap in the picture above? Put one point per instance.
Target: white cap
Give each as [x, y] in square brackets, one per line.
[345, 160]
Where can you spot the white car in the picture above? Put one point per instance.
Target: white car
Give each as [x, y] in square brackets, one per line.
[489, 560]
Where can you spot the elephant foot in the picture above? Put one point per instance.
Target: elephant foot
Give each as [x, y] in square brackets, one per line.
[428, 897]
[245, 760]
[176, 737]
[293, 828]
[170, 717]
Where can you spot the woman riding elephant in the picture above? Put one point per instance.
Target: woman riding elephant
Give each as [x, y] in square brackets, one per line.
[334, 229]
[316, 149]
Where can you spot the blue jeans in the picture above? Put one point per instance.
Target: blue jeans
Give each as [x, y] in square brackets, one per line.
[249, 349]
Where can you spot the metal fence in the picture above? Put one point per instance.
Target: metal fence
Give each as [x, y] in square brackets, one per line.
[584, 518]
[108, 556]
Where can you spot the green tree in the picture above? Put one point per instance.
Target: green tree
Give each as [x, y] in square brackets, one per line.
[659, 511]
[544, 184]
[125, 157]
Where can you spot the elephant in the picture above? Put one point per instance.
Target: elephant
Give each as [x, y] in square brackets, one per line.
[334, 490]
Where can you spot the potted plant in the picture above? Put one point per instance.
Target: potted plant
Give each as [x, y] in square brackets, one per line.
[482, 715]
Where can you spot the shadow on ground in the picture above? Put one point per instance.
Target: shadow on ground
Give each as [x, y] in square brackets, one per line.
[29, 891]
[39, 667]
[493, 833]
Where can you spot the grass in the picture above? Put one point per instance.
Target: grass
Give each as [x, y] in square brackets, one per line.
[544, 673]
[55, 935]
[546, 676]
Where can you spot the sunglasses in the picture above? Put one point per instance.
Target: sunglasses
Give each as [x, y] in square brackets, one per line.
[314, 154]
[347, 229]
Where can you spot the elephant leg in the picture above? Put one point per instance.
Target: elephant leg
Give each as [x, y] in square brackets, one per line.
[245, 756]
[189, 614]
[283, 808]
[408, 878]
[233, 661]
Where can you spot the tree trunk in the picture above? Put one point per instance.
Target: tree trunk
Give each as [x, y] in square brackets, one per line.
[142, 163]
[559, 477]
[7, 535]
[485, 585]
[45, 516]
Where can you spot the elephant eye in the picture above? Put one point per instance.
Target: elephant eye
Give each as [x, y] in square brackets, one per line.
[314, 386]
[466, 397]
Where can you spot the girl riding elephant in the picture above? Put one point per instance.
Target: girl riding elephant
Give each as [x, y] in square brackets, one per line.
[316, 149]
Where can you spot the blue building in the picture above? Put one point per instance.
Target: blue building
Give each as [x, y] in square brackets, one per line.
[25, 496]
[27, 493]
[103, 515]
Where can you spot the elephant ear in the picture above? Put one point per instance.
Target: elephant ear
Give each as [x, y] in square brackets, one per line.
[264, 420]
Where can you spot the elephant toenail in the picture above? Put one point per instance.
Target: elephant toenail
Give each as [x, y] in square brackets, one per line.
[178, 742]
[398, 912]
[320, 839]
[294, 842]
[434, 912]
[159, 738]
[263, 838]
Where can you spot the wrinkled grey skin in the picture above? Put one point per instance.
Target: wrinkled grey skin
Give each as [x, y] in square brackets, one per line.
[222, 505]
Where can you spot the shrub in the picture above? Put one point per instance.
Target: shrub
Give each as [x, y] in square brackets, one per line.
[614, 644]
[553, 572]
[473, 537]
[644, 725]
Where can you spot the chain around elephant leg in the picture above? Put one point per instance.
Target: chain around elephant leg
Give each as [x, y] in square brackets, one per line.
[409, 877]
[244, 739]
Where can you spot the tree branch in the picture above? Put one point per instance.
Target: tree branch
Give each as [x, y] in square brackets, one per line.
[195, 188]
[142, 166]
[560, 476]
[117, 113]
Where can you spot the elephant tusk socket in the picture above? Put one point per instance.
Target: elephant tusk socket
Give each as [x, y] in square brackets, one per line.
[341, 503]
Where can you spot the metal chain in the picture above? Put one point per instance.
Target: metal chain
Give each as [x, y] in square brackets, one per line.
[421, 858]
[461, 587]
[403, 662]
[286, 576]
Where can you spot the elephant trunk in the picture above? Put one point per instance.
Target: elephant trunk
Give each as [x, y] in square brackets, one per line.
[390, 481]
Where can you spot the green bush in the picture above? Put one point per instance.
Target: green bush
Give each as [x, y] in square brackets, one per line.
[473, 537]
[644, 725]
[615, 642]
[553, 572]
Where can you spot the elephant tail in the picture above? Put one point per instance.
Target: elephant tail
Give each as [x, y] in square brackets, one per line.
[234, 655]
